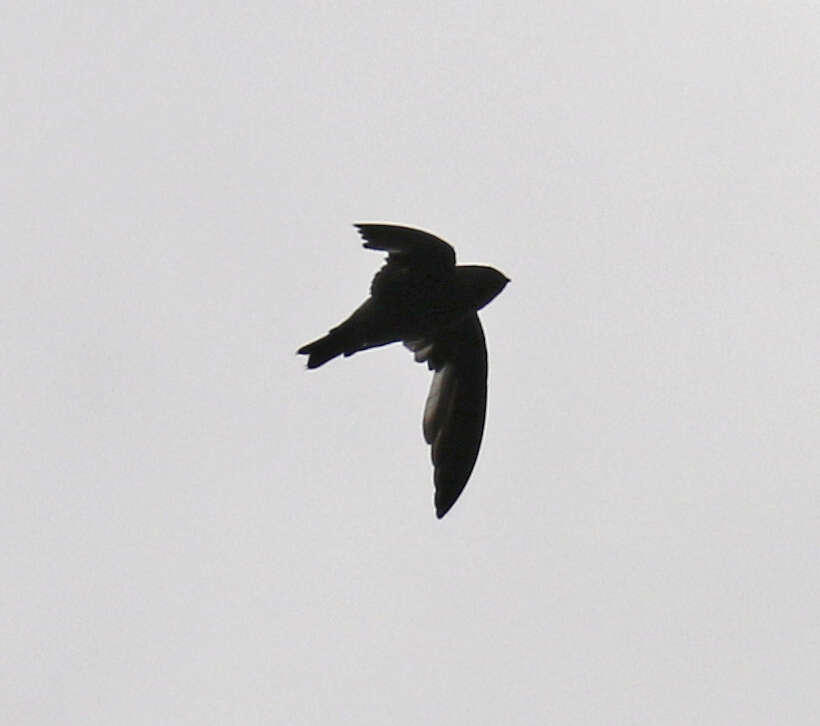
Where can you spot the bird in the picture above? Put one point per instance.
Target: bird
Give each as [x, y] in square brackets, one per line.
[424, 300]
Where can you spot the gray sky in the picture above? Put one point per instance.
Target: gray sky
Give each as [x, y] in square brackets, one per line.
[196, 530]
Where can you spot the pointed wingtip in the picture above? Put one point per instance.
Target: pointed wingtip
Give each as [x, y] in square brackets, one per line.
[360, 229]
[442, 507]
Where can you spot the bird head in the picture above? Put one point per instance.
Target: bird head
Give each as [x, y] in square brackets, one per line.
[478, 284]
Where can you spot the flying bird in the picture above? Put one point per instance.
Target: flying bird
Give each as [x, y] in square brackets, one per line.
[423, 299]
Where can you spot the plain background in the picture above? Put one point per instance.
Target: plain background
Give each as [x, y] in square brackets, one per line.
[197, 530]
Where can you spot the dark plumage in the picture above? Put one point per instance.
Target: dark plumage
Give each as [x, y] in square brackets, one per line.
[422, 298]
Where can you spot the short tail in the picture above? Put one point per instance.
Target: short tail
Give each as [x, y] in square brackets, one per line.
[324, 349]
[356, 333]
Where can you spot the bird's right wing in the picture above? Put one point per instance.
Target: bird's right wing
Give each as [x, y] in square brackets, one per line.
[456, 405]
[407, 246]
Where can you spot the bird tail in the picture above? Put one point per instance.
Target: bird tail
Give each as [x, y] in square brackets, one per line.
[346, 338]
[324, 349]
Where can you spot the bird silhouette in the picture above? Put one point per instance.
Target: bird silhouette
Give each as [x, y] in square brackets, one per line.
[423, 299]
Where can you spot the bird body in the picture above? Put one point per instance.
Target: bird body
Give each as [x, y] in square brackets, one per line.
[423, 299]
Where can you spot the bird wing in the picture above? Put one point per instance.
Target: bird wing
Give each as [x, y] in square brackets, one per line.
[407, 246]
[456, 405]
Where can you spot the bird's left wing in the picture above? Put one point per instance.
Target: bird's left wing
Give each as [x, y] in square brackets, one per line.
[456, 405]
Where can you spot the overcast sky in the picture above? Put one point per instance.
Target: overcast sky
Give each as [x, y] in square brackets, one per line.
[198, 530]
